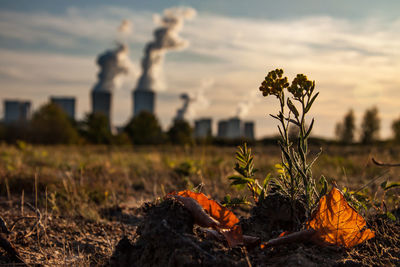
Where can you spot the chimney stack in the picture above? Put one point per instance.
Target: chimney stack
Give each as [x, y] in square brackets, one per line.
[143, 101]
[101, 103]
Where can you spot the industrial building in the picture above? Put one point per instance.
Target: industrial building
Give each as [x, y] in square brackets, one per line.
[249, 130]
[101, 103]
[222, 129]
[67, 104]
[16, 111]
[202, 128]
[234, 128]
[143, 101]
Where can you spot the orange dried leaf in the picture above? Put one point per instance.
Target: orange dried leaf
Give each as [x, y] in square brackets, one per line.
[227, 220]
[337, 223]
[224, 216]
[200, 216]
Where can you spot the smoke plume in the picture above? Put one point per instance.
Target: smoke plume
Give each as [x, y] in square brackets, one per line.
[180, 113]
[195, 101]
[113, 63]
[246, 104]
[166, 37]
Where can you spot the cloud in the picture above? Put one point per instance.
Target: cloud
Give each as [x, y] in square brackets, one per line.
[71, 28]
[355, 63]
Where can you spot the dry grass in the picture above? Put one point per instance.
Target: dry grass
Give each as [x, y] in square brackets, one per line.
[79, 190]
[80, 180]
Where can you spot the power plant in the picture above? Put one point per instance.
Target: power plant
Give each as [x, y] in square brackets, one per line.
[235, 128]
[222, 129]
[249, 130]
[166, 38]
[16, 111]
[67, 104]
[202, 128]
[101, 103]
[112, 63]
[115, 62]
[144, 100]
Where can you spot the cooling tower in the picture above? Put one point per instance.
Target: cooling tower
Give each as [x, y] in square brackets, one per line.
[249, 130]
[67, 104]
[16, 111]
[202, 128]
[222, 129]
[234, 129]
[101, 103]
[143, 101]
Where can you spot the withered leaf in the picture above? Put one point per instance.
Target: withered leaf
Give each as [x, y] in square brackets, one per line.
[337, 223]
[199, 215]
[224, 216]
[226, 219]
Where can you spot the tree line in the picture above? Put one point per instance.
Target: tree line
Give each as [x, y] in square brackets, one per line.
[51, 125]
[368, 132]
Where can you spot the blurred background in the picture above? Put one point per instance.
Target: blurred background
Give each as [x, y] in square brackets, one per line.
[198, 62]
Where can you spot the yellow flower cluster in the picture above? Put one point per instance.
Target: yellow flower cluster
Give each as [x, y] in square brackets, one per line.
[300, 86]
[274, 83]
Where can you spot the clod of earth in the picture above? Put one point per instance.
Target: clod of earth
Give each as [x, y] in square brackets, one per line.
[167, 237]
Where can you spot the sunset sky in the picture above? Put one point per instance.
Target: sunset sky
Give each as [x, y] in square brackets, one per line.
[350, 48]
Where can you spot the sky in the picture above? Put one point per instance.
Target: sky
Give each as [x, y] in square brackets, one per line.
[350, 48]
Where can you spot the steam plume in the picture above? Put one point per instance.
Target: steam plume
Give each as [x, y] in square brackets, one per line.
[180, 114]
[166, 37]
[199, 99]
[195, 101]
[246, 104]
[114, 62]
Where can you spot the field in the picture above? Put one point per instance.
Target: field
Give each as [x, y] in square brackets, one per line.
[71, 205]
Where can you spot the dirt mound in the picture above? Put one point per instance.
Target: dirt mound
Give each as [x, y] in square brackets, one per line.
[167, 237]
[273, 216]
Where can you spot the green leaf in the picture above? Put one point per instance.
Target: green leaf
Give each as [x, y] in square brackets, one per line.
[286, 154]
[266, 181]
[390, 216]
[311, 102]
[227, 199]
[309, 129]
[240, 180]
[293, 121]
[314, 160]
[273, 116]
[324, 186]
[292, 108]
